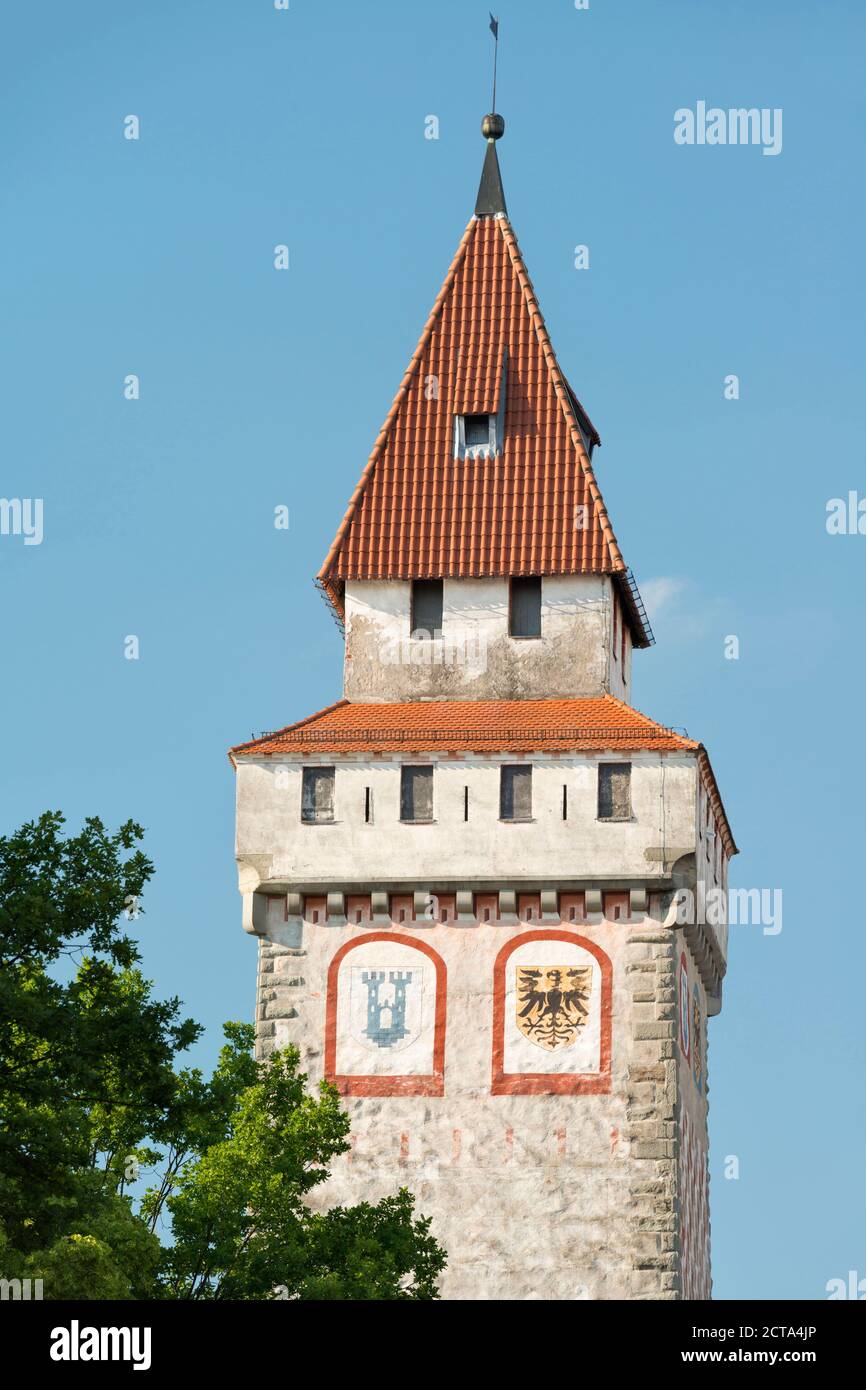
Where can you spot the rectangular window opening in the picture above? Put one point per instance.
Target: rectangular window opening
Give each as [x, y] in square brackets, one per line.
[565, 803]
[465, 803]
[476, 430]
[368, 805]
[426, 616]
[416, 793]
[515, 792]
[614, 791]
[525, 607]
[317, 795]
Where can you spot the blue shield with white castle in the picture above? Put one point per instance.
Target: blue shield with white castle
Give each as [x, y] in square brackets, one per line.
[386, 1006]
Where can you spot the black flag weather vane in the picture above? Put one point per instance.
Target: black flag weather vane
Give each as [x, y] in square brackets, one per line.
[494, 29]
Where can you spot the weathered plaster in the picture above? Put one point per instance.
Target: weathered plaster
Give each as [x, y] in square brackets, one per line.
[475, 658]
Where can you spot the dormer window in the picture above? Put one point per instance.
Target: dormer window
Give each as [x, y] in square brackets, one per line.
[480, 434]
[477, 436]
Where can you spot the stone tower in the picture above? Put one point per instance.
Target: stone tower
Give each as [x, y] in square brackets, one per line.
[465, 874]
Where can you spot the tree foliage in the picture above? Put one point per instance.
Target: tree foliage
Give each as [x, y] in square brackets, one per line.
[91, 1097]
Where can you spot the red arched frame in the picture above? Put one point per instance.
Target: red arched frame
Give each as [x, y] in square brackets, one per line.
[429, 1085]
[545, 1083]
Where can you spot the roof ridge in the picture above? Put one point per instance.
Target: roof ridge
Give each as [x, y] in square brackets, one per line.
[409, 373]
[561, 387]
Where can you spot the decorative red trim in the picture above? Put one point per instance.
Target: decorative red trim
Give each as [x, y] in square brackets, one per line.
[430, 1085]
[540, 1083]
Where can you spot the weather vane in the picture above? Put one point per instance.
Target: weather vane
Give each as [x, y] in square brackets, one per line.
[494, 29]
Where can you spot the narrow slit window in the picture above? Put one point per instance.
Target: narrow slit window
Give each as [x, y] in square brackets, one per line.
[614, 791]
[465, 803]
[416, 793]
[565, 802]
[317, 795]
[426, 615]
[515, 792]
[525, 607]
[368, 805]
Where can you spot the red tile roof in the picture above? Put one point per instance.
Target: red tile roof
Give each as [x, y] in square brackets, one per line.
[482, 726]
[419, 512]
[469, 726]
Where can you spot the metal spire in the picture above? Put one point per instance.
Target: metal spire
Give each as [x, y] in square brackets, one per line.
[491, 198]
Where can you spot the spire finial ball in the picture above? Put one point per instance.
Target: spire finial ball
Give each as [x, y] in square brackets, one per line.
[493, 127]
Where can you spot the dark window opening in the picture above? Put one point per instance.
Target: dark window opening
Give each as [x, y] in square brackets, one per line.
[565, 803]
[525, 607]
[317, 795]
[465, 803]
[416, 793]
[368, 805]
[476, 430]
[426, 616]
[515, 792]
[614, 791]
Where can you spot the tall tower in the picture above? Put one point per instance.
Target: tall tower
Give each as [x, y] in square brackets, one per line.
[478, 879]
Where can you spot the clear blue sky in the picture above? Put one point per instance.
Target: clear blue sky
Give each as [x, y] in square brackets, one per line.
[259, 388]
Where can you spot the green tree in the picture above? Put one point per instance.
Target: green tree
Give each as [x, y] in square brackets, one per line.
[91, 1096]
[243, 1230]
[86, 1054]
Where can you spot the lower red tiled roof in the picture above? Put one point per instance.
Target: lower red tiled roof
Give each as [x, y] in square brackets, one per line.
[483, 726]
[470, 726]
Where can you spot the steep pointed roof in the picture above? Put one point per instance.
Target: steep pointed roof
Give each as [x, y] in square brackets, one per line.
[533, 508]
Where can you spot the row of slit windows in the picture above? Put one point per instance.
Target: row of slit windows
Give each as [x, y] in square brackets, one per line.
[416, 794]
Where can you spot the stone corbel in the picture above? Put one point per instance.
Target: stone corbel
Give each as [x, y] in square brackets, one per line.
[508, 908]
[380, 909]
[549, 905]
[638, 903]
[466, 908]
[593, 902]
[336, 909]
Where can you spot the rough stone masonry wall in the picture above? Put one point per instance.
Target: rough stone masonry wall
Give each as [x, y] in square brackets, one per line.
[652, 1109]
[535, 1197]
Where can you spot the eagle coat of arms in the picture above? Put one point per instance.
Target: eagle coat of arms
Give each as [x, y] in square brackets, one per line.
[553, 1003]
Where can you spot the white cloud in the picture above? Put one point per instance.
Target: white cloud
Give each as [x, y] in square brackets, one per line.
[661, 593]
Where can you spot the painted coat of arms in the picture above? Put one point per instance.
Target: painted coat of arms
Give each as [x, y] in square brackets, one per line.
[553, 1003]
[386, 1007]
